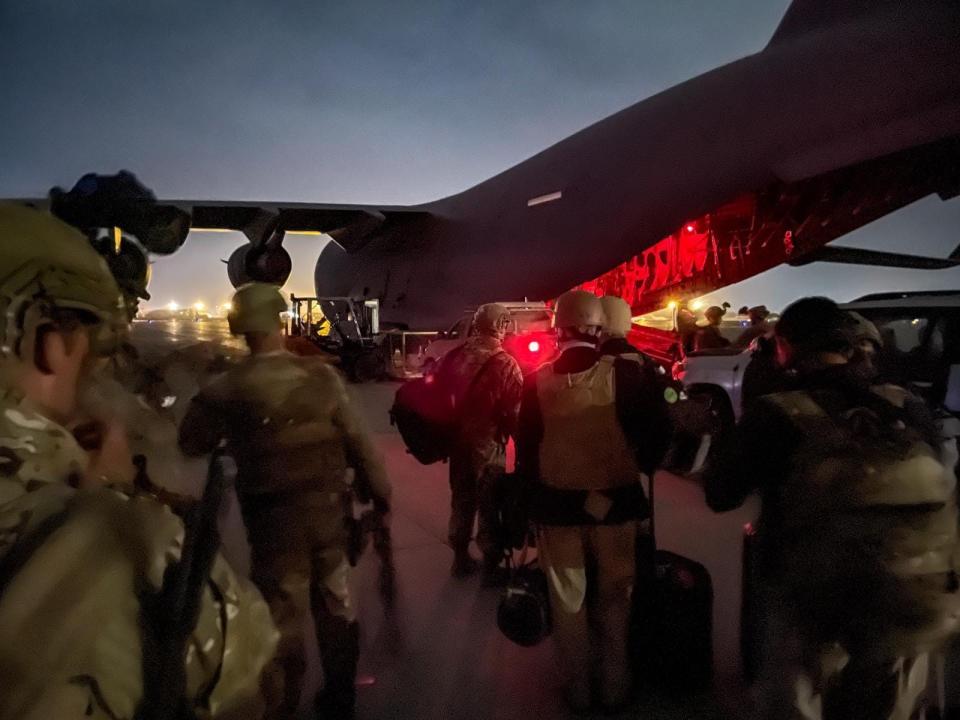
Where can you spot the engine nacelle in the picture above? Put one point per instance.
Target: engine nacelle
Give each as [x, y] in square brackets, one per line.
[259, 264]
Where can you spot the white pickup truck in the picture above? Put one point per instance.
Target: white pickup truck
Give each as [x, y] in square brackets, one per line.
[531, 337]
[921, 333]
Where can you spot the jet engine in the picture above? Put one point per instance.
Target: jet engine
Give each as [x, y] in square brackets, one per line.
[264, 263]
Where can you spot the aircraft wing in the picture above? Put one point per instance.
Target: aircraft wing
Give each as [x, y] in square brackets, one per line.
[860, 256]
[349, 225]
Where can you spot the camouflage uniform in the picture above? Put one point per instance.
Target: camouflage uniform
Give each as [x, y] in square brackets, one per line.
[77, 566]
[858, 545]
[73, 564]
[294, 435]
[487, 419]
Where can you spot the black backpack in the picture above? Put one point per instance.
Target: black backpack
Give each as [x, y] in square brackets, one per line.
[426, 411]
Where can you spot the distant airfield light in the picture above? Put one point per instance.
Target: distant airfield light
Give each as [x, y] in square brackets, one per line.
[228, 306]
[696, 305]
[541, 199]
[172, 305]
[198, 306]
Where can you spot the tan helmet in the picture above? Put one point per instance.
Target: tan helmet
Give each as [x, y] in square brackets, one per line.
[48, 266]
[617, 314]
[491, 319]
[579, 308]
[863, 330]
[256, 308]
[714, 313]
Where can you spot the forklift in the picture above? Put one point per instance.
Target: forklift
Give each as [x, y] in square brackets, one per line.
[348, 328]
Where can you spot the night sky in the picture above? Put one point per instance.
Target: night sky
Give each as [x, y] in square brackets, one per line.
[366, 102]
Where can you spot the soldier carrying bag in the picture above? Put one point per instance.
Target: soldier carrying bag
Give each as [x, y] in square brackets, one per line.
[427, 411]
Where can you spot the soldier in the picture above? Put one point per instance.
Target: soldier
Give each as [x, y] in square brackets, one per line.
[487, 380]
[616, 327]
[589, 426]
[613, 336]
[294, 435]
[758, 326]
[867, 345]
[81, 564]
[858, 533]
[708, 337]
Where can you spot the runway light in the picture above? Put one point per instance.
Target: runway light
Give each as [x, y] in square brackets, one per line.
[172, 305]
[534, 346]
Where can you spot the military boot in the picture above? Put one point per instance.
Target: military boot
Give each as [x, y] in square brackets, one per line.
[339, 655]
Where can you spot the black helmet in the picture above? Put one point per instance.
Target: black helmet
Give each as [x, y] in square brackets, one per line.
[816, 324]
[523, 614]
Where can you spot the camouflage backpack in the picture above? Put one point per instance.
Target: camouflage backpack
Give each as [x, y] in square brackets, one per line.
[868, 535]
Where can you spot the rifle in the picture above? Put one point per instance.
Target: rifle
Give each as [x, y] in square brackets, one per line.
[171, 614]
[370, 525]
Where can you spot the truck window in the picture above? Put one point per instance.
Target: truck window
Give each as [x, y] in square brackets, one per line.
[459, 329]
[909, 335]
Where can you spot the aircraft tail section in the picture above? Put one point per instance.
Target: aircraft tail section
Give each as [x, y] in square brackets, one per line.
[806, 16]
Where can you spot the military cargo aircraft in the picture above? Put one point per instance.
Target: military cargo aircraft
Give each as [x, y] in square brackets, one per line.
[850, 112]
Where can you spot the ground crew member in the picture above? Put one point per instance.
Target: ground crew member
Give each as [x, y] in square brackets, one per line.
[589, 426]
[488, 381]
[708, 337]
[857, 535]
[78, 561]
[295, 436]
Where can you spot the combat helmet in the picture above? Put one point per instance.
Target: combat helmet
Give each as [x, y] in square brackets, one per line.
[256, 308]
[617, 314]
[47, 267]
[579, 308]
[862, 330]
[491, 319]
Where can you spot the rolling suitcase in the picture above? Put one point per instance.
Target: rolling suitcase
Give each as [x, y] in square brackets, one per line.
[672, 623]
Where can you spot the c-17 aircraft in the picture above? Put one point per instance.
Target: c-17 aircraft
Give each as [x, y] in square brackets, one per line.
[850, 112]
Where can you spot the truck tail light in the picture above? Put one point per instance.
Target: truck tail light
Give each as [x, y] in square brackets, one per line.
[679, 370]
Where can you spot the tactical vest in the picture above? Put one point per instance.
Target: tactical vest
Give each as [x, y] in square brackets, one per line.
[583, 446]
[868, 542]
[283, 430]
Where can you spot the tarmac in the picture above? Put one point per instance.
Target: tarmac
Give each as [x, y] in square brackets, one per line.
[439, 654]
